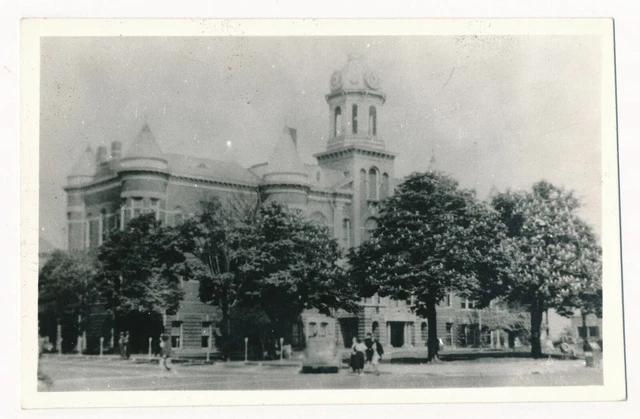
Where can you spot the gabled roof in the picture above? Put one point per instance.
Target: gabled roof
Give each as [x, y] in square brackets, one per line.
[145, 145]
[285, 157]
[85, 165]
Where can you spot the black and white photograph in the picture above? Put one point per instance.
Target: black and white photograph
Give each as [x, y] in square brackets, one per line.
[325, 210]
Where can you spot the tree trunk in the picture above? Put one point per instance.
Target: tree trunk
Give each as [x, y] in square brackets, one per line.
[226, 338]
[536, 322]
[585, 341]
[432, 341]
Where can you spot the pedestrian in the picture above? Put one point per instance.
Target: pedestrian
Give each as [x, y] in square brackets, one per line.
[167, 353]
[360, 350]
[377, 355]
[121, 344]
[126, 345]
[369, 352]
[353, 362]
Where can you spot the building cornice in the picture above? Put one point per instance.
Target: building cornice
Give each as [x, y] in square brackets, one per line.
[351, 150]
[361, 92]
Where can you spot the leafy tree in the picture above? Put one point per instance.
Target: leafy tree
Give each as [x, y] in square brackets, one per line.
[141, 269]
[555, 259]
[216, 244]
[66, 285]
[294, 265]
[432, 238]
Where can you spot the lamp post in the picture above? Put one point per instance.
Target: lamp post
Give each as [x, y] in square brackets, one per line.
[246, 350]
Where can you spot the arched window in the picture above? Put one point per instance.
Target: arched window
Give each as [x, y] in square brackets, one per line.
[354, 119]
[337, 121]
[363, 184]
[373, 183]
[346, 233]
[373, 120]
[369, 227]
[384, 188]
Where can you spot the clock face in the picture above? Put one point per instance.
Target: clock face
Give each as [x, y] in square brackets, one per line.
[336, 80]
[372, 80]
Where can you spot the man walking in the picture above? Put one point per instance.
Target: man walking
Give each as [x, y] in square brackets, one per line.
[377, 355]
[369, 351]
[165, 361]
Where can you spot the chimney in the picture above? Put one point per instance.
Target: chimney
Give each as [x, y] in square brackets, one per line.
[101, 156]
[116, 149]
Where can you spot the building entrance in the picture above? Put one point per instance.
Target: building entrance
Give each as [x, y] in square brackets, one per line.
[396, 339]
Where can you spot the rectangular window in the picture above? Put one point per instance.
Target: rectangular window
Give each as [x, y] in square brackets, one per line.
[449, 334]
[313, 329]
[323, 329]
[126, 215]
[94, 233]
[136, 204]
[466, 304]
[593, 332]
[176, 334]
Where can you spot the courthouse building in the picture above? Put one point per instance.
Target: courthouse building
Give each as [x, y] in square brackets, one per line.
[342, 191]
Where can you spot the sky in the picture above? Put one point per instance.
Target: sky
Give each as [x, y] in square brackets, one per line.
[495, 110]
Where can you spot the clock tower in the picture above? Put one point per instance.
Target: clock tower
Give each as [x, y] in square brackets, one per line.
[356, 146]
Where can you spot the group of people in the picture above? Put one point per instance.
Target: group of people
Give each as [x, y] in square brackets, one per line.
[369, 351]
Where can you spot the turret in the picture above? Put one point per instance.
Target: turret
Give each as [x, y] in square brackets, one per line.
[284, 176]
[144, 173]
[84, 169]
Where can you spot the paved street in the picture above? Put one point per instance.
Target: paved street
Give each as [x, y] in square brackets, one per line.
[74, 373]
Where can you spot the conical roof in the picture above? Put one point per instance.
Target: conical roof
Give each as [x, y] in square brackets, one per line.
[285, 157]
[285, 165]
[85, 165]
[145, 145]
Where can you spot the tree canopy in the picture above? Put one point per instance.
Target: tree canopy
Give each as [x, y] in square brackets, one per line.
[141, 268]
[432, 238]
[555, 258]
[66, 283]
[294, 265]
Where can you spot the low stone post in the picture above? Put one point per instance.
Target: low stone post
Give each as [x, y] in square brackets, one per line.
[150, 345]
[246, 349]
[101, 345]
[281, 349]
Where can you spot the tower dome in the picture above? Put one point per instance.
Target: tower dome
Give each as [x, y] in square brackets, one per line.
[355, 75]
[355, 106]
